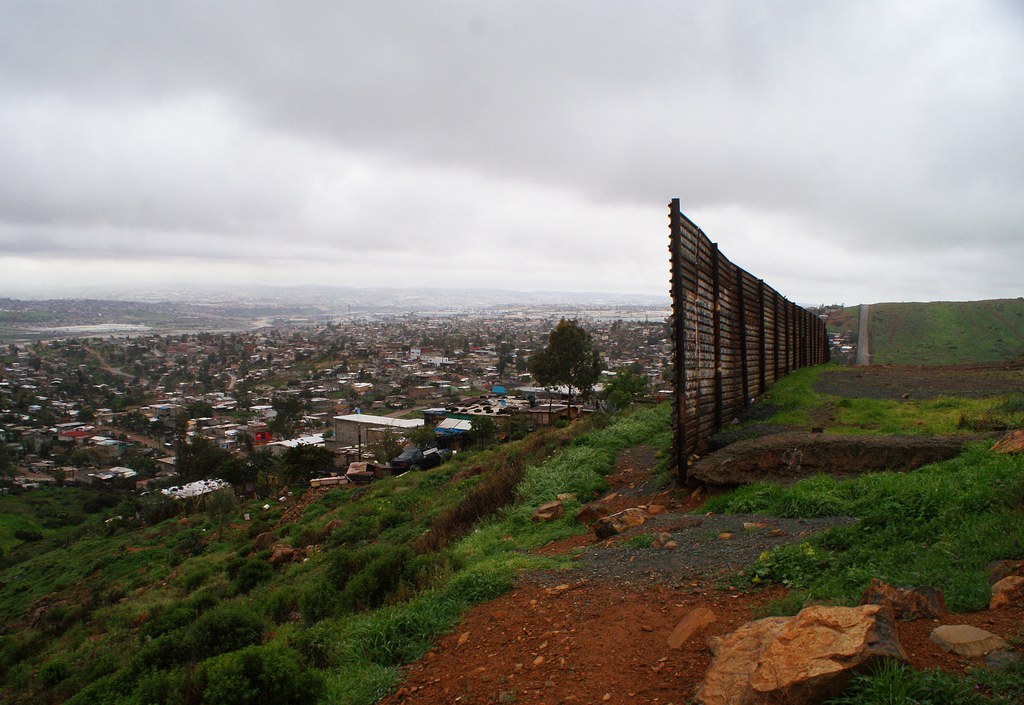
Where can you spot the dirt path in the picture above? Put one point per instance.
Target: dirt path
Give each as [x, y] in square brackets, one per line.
[863, 344]
[598, 634]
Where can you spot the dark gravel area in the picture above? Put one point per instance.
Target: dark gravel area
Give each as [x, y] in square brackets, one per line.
[972, 381]
[699, 555]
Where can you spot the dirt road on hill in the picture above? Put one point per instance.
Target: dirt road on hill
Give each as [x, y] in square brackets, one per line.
[863, 343]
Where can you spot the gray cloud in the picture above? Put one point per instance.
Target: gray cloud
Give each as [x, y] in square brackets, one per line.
[526, 145]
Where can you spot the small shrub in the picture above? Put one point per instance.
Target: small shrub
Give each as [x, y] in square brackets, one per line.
[280, 604]
[53, 672]
[378, 579]
[252, 573]
[168, 619]
[27, 535]
[792, 566]
[639, 541]
[258, 675]
[224, 628]
[318, 601]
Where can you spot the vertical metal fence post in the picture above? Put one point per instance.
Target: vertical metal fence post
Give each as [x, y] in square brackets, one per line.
[678, 341]
[716, 330]
[744, 364]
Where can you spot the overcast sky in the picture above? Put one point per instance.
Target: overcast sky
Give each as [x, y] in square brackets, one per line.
[843, 151]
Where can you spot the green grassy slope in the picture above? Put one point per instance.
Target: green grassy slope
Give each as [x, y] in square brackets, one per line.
[946, 333]
[173, 613]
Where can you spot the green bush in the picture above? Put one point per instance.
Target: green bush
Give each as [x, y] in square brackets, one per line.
[27, 535]
[318, 601]
[258, 675]
[279, 604]
[224, 628]
[253, 572]
[53, 672]
[168, 618]
[378, 579]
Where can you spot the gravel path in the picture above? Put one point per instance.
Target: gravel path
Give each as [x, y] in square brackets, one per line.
[700, 552]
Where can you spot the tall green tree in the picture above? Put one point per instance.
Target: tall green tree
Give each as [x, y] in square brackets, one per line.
[570, 358]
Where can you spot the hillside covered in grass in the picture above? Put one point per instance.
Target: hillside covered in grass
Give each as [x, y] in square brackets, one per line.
[939, 332]
[109, 609]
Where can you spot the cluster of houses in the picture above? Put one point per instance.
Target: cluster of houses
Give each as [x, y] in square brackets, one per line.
[119, 401]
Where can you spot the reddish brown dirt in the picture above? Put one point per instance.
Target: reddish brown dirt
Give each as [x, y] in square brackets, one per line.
[582, 638]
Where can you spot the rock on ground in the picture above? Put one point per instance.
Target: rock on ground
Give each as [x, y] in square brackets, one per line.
[798, 660]
[966, 640]
[906, 603]
[1008, 591]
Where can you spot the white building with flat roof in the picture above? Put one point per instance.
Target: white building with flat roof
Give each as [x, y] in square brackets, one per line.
[352, 429]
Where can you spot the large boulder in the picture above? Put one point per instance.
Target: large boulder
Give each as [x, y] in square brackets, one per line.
[801, 660]
[906, 602]
[788, 457]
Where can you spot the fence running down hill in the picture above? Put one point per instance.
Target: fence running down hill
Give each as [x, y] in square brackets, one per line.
[732, 334]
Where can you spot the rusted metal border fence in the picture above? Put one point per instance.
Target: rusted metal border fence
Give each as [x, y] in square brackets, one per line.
[733, 335]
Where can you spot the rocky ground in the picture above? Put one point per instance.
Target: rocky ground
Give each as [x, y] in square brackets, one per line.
[599, 633]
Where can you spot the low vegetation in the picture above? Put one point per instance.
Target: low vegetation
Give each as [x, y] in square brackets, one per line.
[795, 403]
[191, 609]
[940, 525]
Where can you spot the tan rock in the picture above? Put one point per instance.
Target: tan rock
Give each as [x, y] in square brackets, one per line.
[619, 522]
[662, 538]
[689, 625]
[965, 640]
[566, 497]
[1008, 591]
[283, 553]
[656, 509]
[906, 603]
[1012, 442]
[549, 511]
[737, 655]
[798, 660]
